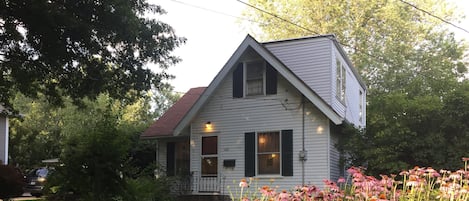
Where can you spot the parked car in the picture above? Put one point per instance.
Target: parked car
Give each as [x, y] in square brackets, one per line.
[36, 180]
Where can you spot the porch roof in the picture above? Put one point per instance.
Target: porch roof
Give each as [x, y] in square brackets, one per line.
[165, 125]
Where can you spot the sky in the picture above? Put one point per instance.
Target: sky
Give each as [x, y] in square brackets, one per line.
[213, 33]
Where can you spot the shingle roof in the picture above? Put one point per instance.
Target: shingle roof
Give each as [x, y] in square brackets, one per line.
[165, 125]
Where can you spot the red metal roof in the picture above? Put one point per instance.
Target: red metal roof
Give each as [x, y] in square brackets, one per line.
[165, 125]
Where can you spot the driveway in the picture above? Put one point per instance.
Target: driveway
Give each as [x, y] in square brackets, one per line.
[25, 196]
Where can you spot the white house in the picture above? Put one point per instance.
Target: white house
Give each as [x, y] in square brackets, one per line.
[270, 114]
[3, 135]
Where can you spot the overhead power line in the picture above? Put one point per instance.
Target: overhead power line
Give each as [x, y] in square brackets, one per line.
[314, 32]
[278, 17]
[214, 11]
[434, 16]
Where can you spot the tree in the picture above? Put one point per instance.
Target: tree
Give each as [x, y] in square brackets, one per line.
[96, 145]
[410, 61]
[36, 134]
[389, 42]
[82, 48]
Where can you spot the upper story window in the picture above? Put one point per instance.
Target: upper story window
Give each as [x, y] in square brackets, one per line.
[255, 72]
[340, 81]
[253, 78]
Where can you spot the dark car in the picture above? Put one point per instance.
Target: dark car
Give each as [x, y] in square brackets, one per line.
[35, 181]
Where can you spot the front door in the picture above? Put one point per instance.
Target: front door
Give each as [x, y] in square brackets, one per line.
[209, 180]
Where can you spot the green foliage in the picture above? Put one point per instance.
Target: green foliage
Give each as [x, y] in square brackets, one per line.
[393, 46]
[93, 154]
[148, 189]
[82, 48]
[37, 134]
[101, 154]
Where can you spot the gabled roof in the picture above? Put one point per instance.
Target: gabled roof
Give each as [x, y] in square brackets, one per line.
[165, 125]
[277, 64]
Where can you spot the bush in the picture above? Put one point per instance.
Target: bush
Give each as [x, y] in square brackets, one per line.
[148, 189]
[11, 182]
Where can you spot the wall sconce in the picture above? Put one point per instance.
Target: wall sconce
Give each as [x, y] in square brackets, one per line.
[208, 125]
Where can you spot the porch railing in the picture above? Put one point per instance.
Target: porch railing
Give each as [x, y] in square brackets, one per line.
[194, 183]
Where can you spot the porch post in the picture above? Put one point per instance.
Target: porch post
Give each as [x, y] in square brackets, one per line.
[3, 140]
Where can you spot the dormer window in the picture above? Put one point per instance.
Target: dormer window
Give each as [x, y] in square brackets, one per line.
[254, 78]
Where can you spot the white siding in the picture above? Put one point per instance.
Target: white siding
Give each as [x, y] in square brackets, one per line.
[334, 158]
[313, 60]
[232, 117]
[310, 60]
[3, 139]
[351, 109]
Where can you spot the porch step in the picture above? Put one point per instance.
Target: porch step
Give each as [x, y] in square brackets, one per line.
[204, 198]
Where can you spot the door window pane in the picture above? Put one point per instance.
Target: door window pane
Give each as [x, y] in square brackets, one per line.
[209, 159]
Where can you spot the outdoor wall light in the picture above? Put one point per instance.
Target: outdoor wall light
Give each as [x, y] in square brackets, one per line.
[208, 125]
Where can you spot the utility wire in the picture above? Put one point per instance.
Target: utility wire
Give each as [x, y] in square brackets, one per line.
[314, 32]
[278, 17]
[434, 16]
[215, 11]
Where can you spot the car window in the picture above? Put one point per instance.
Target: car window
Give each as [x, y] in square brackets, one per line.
[40, 172]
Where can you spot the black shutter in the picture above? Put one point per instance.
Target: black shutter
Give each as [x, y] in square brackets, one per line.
[270, 79]
[170, 158]
[287, 153]
[249, 154]
[238, 84]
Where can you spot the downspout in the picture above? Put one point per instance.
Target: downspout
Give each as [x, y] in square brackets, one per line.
[303, 152]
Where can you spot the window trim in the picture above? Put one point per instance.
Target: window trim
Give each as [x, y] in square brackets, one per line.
[279, 153]
[245, 77]
[341, 81]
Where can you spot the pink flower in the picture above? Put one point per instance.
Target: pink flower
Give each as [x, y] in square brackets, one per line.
[341, 180]
[283, 196]
[243, 183]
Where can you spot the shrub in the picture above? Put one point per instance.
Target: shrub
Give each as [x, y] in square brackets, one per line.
[11, 182]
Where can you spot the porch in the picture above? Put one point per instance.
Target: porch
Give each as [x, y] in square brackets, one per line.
[194, 184]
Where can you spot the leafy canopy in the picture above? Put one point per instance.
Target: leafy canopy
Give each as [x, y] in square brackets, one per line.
[391, 44]
[82, 48]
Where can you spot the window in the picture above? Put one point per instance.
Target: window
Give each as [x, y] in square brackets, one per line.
[209, 156]
[361, 100]
[268, 153]
[253, 78]
[340, 81]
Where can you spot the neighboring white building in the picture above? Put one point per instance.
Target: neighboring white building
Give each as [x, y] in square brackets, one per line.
[3, 135]
[270, 113]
